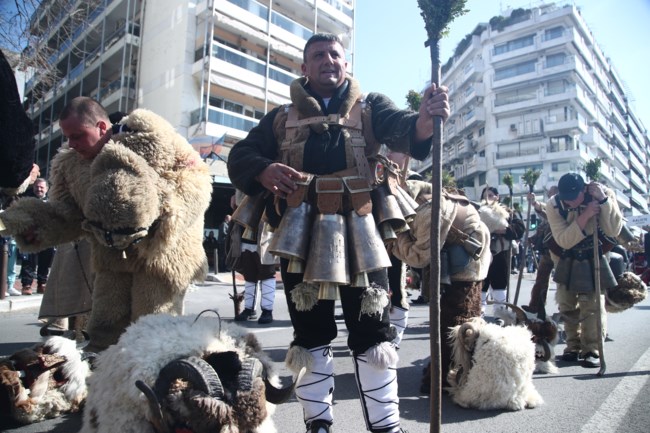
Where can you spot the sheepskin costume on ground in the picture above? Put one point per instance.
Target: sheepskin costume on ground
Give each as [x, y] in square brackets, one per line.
[221, 386]
[141, 203]
[492, 367]
[43, 382]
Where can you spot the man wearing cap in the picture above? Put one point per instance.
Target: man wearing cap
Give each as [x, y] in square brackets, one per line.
[573, 215]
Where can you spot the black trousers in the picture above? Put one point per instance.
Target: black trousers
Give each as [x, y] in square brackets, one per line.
[36, 265]
[317, 327]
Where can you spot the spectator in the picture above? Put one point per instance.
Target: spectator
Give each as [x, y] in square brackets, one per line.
[37, 264]
[221, 243]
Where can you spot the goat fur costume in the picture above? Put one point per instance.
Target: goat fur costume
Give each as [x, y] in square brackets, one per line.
[492, 367]
[43, 382]
[115, 404]
[142, 197]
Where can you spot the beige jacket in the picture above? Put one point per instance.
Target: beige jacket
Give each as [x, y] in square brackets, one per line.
[414, 246]
[568, 234]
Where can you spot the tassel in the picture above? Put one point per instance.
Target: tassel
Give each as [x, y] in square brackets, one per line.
[304, 296]
[373, 301]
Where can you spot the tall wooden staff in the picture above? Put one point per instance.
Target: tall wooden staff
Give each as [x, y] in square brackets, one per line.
[437, 15]
[508, 181]
[530, 177]
[592, 170]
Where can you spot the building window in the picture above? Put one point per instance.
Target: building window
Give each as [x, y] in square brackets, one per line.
[514, 44]
[514, 70]
[514, 96]
[553, 33]
[561, 166]
[557, 87]
[481, 131]
[562, 143]
[555, 60]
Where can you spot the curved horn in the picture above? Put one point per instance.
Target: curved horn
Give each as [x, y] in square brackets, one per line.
[280, 395]
[547, 350]
[194, 370]
[158, 420]
[250, 369]
[519, 312]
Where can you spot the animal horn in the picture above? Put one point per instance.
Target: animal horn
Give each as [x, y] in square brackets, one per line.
[192, 369]
[547, 350]
[250, 369]
[519, 312]
[158, 420]
[280, 395]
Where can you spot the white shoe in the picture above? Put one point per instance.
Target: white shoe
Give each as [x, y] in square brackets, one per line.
[13, 292]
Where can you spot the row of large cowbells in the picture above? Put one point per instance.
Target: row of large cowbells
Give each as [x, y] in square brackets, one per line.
[330, 249]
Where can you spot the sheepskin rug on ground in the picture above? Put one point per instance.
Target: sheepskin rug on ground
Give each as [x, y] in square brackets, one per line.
[492, 367]
[115, 404]
[45, 381]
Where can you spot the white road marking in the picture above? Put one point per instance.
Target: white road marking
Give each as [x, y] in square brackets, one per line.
[610, 414]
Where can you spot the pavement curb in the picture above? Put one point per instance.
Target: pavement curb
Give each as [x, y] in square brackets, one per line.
[23, 302]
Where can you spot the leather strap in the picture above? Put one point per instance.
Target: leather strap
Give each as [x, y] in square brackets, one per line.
[359, 194]
[329, 192]
[295, 198]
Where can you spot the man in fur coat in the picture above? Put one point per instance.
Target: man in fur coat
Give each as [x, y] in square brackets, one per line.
[465, 259]
[140, 200]
[320, 147]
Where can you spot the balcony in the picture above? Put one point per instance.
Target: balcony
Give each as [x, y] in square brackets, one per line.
[553, 125]
[636, 180]
[620, 139]
[638, 165]
[476, 164]
[620, 178]
[636, 150]
[620, 157]
[592, 138]
[470, 119]
[518, 156]
[222, 122]
[622, 198]
[638, 199]
[473, 70]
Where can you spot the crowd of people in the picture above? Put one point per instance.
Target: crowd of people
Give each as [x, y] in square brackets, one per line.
[301, 156]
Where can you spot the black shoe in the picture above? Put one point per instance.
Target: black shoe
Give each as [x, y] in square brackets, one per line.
[570, 357]
[420, 301]
[266, 317]
[319, 426]
[247, 314]
[591, 360]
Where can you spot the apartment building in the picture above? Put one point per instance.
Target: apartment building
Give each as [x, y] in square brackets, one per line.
[212, 68]
[531, 89]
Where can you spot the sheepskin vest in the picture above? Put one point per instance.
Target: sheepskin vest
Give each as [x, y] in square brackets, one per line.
[293, 125]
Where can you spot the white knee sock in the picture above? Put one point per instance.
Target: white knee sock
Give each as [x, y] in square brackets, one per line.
[398, 320]
[499, 297]
[315, 388]
[250, 295]
[268, 294]
[378, 392]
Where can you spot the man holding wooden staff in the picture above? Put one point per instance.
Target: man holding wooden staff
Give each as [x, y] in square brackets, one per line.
[573, 215]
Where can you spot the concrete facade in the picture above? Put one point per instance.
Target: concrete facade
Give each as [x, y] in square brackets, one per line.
[533, 90]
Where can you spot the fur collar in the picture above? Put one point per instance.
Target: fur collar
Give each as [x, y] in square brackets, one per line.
[308, 106]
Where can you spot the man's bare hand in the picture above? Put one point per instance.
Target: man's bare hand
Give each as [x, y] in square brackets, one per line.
[435, 102]
[280, 179]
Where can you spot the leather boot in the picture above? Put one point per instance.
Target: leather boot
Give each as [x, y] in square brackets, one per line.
[40, 288]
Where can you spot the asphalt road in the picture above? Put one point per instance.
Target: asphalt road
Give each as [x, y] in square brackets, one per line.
[576, 400]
